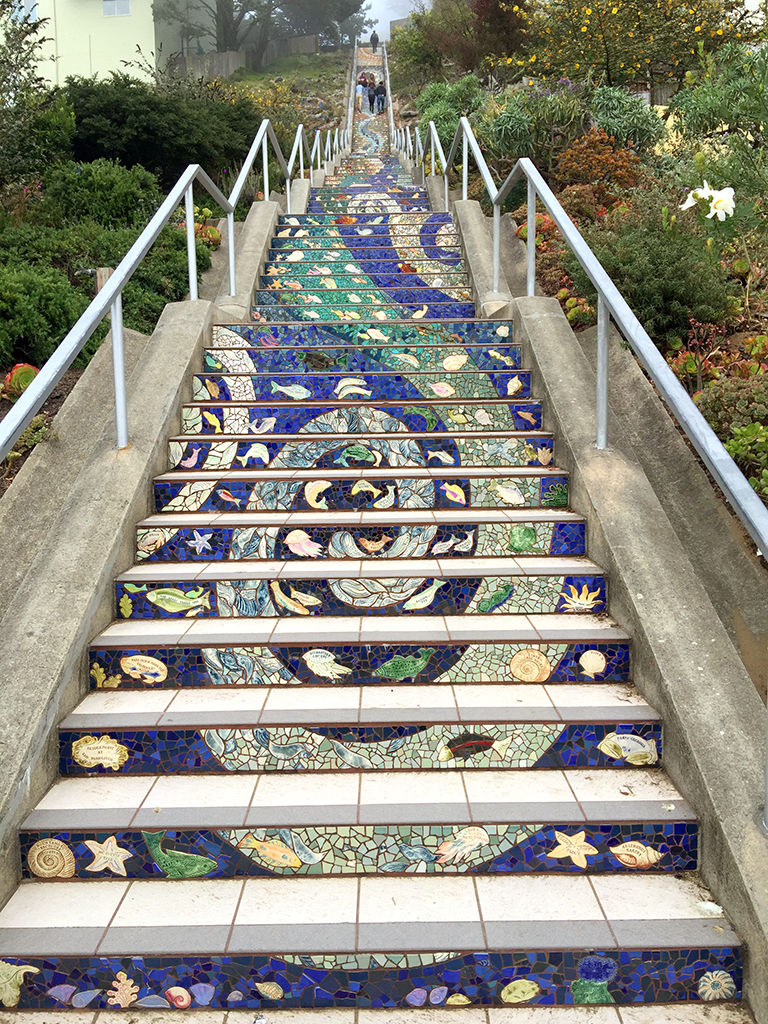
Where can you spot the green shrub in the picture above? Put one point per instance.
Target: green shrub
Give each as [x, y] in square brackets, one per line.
[433, 93]
[627, 118]
[161, 277]
[730, 403]
[666, 278]
[127, 120]
[466, 94]
[446, 120]
[37, 308]
[103, 191]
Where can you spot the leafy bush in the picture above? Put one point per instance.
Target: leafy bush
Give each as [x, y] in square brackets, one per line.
[161, 277]
[446, 104]
[127, 120]
[595, 160]
[103, 191]
[729, 403]
[37, 308]
[627, 118]
[431, 94]
[538, 123]
[666, 277]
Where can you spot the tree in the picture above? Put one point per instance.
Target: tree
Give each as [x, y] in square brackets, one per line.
[626, 41]
[23, 92]
[357, 25]
[252, 23]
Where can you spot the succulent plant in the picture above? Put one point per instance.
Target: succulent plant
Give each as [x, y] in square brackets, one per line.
[18, 379]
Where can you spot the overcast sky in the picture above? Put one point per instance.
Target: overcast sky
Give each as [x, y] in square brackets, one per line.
[384, 11]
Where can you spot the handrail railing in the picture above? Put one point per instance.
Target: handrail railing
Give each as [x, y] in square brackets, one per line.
[109, 299]
[610, 304]
[352, 85]
[389, 96]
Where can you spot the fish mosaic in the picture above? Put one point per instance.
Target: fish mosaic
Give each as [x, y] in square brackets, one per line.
[510, 746]
[369, 849]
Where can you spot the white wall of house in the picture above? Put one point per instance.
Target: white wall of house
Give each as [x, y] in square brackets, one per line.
[93, 37]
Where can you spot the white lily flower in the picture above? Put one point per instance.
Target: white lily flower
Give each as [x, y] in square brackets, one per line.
[705, 192]
[722, 204]
[752, 5]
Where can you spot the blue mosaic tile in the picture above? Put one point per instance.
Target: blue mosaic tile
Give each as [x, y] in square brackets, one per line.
[368, 849]
[192, 666]
[361, 980]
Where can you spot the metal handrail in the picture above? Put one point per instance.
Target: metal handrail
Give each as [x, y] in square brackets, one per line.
[389, 96]
[109, 299]
[610, 304]
[352, 85]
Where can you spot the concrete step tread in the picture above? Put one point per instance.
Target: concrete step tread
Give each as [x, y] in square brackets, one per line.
[334, 568]
[463, 703]
[424, 629]
[372, 518]
[363, 913]
[344, 798]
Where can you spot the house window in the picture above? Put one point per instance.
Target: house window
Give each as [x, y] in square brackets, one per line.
[115, 8]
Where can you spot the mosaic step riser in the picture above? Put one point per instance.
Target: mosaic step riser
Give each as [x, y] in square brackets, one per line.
[279, 980]
[378, 595]
[408, 748]
[406, 336]
[385, 358]
[213, 542]
[224, 492]
[321, 275]
[368, 247]
[270, 309]
[352, 207]
[281, 290]
[416, 233]
[531, 455]
[369, 219]
[488, 415]
[150, 665]
[237, 852]
[373, 252]
[386, 386]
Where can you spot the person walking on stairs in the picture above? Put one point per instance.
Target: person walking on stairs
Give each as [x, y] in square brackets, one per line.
[374, 40]
[381, 97]
[360, 88]
[372, 96]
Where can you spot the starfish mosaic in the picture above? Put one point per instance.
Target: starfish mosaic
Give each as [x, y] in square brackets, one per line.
[576, 847]
[108, 855]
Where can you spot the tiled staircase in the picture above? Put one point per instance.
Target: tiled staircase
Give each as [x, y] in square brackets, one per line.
[362, 733]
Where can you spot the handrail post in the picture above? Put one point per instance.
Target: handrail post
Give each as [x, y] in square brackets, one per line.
[301, 158]
[231, 250]
[601, 409]
[531, 245]
[447, 192]
[118, 368]
[288, 195]
[465, 174]
[189, 208]
[432, 147]
[265, 163]
[496, 243]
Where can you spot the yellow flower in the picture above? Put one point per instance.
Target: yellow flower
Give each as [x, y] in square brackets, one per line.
[583, 28]
[719, 31]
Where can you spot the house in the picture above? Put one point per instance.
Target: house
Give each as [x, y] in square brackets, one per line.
[94, 37]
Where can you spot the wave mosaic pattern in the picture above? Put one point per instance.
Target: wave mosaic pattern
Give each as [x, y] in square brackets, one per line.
[362, 732]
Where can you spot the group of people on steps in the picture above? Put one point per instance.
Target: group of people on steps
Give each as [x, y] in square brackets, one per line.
[367, 89]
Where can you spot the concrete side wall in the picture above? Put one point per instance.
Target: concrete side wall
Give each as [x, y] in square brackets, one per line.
[68, 593]
[253, 245]
[477, 245]
[683, 660]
